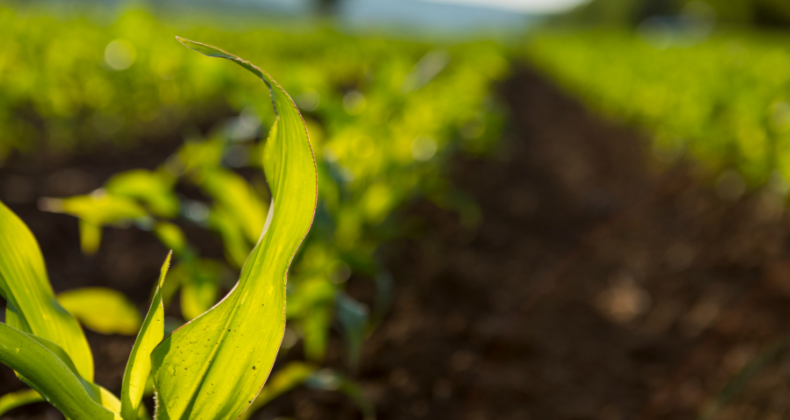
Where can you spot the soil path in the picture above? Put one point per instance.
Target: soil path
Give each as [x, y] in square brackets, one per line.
[595, 287]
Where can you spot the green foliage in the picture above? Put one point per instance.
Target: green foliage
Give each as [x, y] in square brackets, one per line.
[138, 368]
[31, 305]
[723, 101]
[212, 367]
[631, 13]
[220, 377]
[287, 378]
[48, 370]
[70, 93]
[383, 115]
[13, 400]
[103, 310]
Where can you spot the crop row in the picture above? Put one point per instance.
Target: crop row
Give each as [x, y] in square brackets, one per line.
[723, 100]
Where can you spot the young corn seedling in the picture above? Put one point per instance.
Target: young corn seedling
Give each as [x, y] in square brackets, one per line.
[211, 368]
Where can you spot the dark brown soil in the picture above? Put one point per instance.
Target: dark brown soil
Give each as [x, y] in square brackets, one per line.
[595, 287]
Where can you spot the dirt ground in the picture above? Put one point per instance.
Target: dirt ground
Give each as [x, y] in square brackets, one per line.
[596, 287]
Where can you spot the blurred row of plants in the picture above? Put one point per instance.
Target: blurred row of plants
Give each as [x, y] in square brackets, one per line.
[723, 100]
[630, 13]
[383, 116]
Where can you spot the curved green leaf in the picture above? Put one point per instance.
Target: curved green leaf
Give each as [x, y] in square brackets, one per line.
[16, 399]
[103, 310]
[31, 304]
[214, 366]
[47, 369]
[139, 366]
[97, 393]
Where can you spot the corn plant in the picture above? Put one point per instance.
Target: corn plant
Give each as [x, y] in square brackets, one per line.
[383, 120]
[212, 367]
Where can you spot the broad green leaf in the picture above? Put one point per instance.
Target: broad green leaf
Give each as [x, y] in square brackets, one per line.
[151, 188]
[48, 369]
[99, 394]
[16, 399]
[31, 304]
[138, 368]
[103, 310]
[214, 366]
[283, 381]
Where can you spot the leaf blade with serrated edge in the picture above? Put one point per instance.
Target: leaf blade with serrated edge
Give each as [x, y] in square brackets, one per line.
[139, 366]
[31, 304]
[214, 366]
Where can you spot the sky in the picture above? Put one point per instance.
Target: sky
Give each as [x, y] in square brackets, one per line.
[525, 6]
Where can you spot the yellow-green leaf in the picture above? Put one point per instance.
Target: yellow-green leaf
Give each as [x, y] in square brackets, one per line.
[151, 188]
[138, 368]
[98, 208]
[171, 236]
[48, 370]
[16, 399]
[214, 366]
[31, 304]
[103, 310]
[90, 237]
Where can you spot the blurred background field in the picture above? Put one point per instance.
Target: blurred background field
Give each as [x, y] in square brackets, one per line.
[527, 209]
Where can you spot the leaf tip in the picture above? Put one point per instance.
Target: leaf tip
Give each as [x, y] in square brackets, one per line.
[165, 268]
[192, 45]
